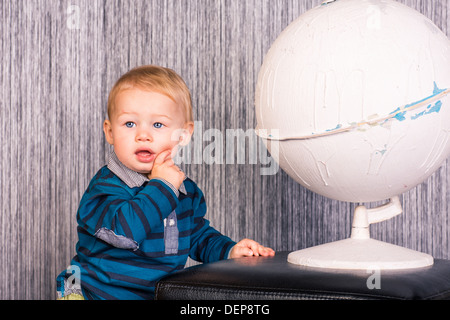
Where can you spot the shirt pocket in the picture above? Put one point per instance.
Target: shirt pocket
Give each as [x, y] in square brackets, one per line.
[171, 234]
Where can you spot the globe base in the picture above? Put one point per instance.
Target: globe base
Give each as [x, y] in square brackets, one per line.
[356, 254]
[360, 251]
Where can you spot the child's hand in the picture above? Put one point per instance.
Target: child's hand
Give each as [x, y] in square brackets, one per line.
[248, 248]
[165, 168]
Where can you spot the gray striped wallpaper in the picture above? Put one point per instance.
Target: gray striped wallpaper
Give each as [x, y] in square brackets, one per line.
[59, 60]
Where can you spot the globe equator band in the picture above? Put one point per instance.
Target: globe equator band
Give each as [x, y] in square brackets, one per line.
[264, 133]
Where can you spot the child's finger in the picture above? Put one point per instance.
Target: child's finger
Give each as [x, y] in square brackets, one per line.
[252, 245]
[161, 157]
[257, 249]
[244, 251]
[264, 251]
[174, 151]
[169, 162]
[248, 248]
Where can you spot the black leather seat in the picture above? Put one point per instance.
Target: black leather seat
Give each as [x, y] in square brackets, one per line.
[273, 278]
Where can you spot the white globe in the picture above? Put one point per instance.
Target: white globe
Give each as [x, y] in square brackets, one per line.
[355, 95]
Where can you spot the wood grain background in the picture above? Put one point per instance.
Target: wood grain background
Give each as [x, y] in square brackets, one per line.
[59, 60]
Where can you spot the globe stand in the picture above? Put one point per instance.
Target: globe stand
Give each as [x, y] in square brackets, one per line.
[360, 251]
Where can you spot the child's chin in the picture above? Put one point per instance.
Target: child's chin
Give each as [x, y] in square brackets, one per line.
[144, 169]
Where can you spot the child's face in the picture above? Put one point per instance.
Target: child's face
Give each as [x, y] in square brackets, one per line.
[144, 124]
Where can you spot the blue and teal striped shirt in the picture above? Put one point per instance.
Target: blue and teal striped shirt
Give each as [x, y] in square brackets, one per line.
[130, 237]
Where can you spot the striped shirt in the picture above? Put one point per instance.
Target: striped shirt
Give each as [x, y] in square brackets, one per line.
[133, 231]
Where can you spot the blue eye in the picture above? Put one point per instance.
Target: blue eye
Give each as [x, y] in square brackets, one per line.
[158, 125]
[130, 124]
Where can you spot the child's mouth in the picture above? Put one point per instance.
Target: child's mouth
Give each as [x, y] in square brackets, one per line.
[145, 156]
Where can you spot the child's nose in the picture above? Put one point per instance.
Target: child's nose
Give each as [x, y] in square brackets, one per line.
[144, 135]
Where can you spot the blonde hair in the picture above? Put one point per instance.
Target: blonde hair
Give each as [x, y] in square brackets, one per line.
[157, 79]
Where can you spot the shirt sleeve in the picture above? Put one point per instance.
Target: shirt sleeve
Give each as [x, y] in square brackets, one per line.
[111, 212]
[207, 244]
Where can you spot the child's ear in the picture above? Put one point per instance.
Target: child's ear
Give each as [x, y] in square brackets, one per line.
[107, 129]
[186, 134]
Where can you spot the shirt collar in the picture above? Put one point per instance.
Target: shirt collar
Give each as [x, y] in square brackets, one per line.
[131, 178]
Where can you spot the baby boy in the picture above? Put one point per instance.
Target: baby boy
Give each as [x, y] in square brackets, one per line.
[141, 217]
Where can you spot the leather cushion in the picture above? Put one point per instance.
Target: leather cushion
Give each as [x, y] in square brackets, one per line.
[273, 278]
